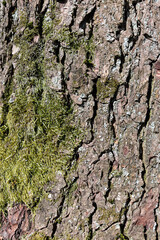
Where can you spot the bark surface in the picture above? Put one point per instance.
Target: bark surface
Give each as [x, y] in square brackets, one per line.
[99, 57]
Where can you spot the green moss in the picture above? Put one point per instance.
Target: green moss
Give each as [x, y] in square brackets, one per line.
[50, 20]
[70, 39]
[70, 195]
[121, 237]
[111, 201]
[39, 135]
[4, 3]
[116, 173]
[89, 46]
[39, 236]
[106, 88]
[23, 19]
[108, 214]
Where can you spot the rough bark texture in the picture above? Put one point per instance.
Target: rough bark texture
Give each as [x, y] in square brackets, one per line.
[99, 55]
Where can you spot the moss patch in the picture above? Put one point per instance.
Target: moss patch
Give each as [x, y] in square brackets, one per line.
[108, 215]
[39, 236]
[38, 135]
[106, 88]
[70, 195]
[121, 237]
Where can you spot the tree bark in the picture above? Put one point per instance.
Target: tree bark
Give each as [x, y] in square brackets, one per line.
[79, 95]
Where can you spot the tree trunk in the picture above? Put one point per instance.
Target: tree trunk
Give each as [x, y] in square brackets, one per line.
[80, 119]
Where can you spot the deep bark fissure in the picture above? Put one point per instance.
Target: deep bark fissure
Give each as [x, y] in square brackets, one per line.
[122, 58]
[124, 212]
[145, 232]
[106, 195]
[95, 107]
[111, 120]
[126, 84]
[90, 234]
[87, 19]
[123, 24]
[135, 38]
[148, 96]
[59, 212]
[74, 14]
[143, 172]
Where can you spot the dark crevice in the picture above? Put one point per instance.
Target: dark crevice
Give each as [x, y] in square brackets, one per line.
[123, 24]
[40, 6]
[122, 58]
[95, 107]
[134, 3]
[11, 10]
[56, 47]
[109, 178]
[89, 55]
[74, 159]
[19, 231]
[135, 38]
[141, 149]
[87, 19]
[127, 82]
[59, 211]
[145, 232]
[124, 212]
[62, 1]
[40, 16]
[140, 131]
[65, 193]
[143, 173]
[147, 36]
[74, 14]
[96, 161]
[111, 120]
[90, 234]
[66, 94]
[149, 92]
[104, 230]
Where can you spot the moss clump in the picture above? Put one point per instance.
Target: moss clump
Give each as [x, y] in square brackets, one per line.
[106, 88]
[4, 3]
[121, 237]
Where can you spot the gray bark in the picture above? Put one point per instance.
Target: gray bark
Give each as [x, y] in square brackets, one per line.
[99, 57]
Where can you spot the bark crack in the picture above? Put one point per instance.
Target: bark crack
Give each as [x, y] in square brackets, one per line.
[141, 132]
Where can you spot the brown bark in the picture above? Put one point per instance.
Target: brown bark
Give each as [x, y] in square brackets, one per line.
[104, 54]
